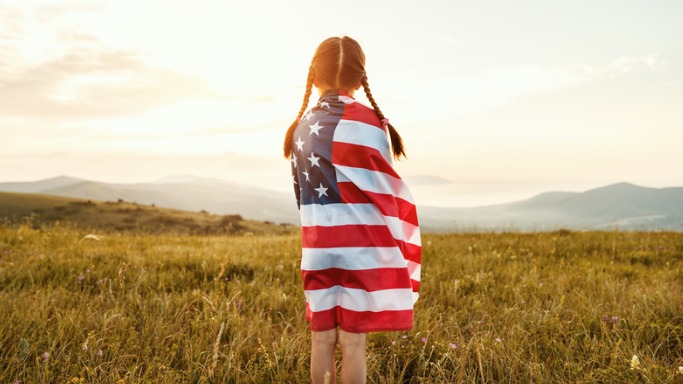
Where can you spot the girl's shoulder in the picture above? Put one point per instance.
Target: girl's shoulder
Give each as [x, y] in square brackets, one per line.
[359, 111]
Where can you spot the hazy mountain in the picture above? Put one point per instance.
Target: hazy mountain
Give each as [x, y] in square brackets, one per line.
[188, 179]
[39, 186]
[186, 193]
[419, 180]
[622, 205]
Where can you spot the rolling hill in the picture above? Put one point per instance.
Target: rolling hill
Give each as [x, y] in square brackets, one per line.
[17, 205]
[617, 206]
[126, 217]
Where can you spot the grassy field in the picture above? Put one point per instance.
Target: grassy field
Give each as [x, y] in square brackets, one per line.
[563, 307]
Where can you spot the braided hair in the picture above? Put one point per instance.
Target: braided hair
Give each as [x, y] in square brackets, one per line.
[289, 136]
[339, 62]
[396, 141]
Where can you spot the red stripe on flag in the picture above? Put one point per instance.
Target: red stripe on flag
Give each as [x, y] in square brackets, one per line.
[411, 252]
[359, 322]
[416, 285]
[389, 205]
[367, 279]
[347, 236]
[359, 112]
[360, 156]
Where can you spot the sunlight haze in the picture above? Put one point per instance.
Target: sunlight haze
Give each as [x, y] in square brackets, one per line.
[502, 100]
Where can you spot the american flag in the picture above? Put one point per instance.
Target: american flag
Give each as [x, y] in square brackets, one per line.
[360, 236]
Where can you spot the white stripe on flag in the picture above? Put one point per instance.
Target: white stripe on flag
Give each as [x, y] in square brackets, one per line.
[329, 215]
[356, 132]
[374, 181]
[414, 269]
[404, 230]
[352, 258]
[360, 300]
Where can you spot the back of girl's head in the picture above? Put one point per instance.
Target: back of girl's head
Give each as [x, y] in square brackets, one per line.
[339, 63]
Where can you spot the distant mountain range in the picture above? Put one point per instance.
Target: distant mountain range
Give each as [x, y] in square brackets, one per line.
[618, 206]
[188, 193]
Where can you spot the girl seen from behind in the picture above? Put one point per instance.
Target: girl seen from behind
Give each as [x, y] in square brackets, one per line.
[361, 250]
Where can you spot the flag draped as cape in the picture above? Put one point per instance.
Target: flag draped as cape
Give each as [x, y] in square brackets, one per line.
[361, 240]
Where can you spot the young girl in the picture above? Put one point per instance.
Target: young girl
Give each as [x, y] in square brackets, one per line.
[361, 242]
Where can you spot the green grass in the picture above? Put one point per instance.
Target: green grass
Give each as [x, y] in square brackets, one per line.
[504, 308]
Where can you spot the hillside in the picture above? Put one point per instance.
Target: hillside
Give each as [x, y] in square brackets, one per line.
[618, 206]
[124, 216]
[18, 205]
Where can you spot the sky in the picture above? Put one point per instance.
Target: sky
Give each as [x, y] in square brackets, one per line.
[496, 100]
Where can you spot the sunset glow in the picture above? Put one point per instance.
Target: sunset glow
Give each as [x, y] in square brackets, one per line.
[503, 100]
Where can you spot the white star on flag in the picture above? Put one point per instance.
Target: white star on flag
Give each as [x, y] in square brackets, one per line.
[314, 160]
[321, 190]
[300, 144]
[315, 128]
[294, 160]
[308, 116]
[325, 104]
[306, 174]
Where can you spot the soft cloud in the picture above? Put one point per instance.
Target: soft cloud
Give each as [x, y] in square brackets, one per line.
[63, 85]
[270, 172]
[52, 68]
[504, 85]
[473, 93]
[136, 90]
[87, 84]
[625, 64]
[497, 86]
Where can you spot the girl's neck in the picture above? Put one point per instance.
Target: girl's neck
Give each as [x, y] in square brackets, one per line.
[322, 91]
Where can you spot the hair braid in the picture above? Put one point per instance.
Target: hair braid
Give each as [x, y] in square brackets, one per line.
[396, 141]
[289, 136]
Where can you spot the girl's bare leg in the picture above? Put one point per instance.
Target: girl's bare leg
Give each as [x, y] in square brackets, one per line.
[354, 362]
[324, 345]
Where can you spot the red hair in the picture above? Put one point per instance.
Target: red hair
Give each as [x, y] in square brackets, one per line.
[339, 62]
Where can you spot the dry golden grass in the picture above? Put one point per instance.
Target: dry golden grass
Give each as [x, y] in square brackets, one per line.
[504, 308]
